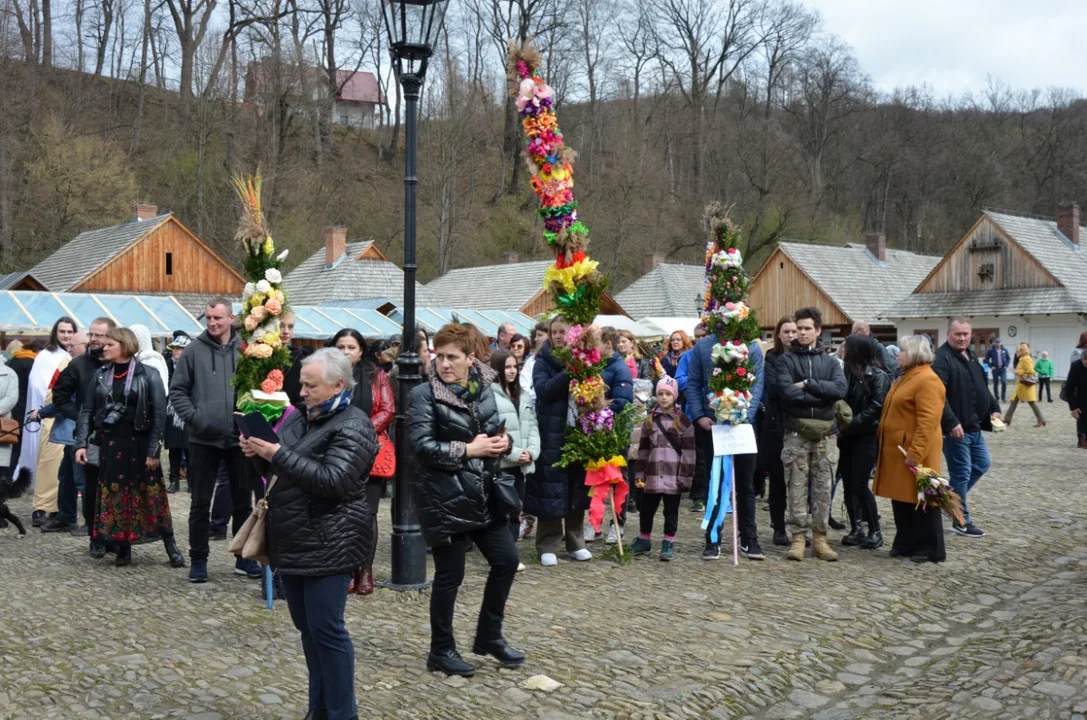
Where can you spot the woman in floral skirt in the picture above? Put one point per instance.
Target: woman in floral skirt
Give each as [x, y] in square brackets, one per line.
[124, 414]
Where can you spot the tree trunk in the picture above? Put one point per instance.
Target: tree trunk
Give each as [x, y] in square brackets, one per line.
[143, 78]
[47, 33]
[7, 247]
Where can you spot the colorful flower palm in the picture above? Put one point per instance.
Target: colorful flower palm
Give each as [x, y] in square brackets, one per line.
[259, 377]
[598, 440]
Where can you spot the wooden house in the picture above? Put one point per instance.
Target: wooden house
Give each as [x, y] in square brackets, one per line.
[1016, 277]
[150, 254]
[847, 283]
[513, 285]
[666, 290]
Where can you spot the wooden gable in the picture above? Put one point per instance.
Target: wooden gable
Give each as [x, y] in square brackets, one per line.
[781, 287]
[543, 302]
[28, 282]
[986, 258]
[168, 259]
[372, 252]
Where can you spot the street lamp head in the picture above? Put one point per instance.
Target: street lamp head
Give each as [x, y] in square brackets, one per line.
[412, 27]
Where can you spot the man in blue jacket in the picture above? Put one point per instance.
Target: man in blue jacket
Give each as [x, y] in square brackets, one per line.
[998, 360]
[699, 370]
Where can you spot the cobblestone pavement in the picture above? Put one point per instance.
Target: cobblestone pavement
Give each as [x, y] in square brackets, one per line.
[998, 631]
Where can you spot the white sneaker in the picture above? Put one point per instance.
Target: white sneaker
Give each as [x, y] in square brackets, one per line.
[549, 560]
[582, 555]
[589, 535]
[613, 537]
[521, 567]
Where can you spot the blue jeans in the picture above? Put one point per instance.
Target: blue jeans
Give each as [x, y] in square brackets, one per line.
[1000, 384]
[967, 460]
[317, 606]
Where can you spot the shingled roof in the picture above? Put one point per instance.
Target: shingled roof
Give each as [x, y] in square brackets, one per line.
[1039, 238]
[668, 290]
[351, 278]
[860, 285]
[65, 268]
[489, 287]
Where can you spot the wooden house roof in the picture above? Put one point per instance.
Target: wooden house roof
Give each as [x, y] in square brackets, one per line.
[668, 290]
[362, 272]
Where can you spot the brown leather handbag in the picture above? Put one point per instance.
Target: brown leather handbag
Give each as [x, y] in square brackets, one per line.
[10, 431]
[251, 540]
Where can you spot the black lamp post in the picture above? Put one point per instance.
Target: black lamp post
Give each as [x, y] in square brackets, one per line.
[412, 26]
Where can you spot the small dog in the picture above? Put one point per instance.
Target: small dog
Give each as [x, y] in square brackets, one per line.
[9, 490]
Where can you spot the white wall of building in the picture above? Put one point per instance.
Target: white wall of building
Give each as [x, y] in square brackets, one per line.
[1056, 334]
[359, 115]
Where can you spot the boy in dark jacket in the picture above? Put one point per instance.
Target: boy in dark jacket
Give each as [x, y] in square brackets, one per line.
[810, 382]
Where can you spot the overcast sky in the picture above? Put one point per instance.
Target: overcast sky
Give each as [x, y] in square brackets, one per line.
[953, 44]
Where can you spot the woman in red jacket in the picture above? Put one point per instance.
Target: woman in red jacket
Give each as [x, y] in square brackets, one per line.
[374, 396]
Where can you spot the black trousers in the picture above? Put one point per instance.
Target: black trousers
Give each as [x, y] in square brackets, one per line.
[770, 452]
[177, 459]
[203, 465]
[703, 445]
[90, 495]
[747, 527]
[496, 545]
[647, 510]
[856, 460]
[1044, 382]
[918, 532]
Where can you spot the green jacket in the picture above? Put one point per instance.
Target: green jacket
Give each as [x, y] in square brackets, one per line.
[1044, 368]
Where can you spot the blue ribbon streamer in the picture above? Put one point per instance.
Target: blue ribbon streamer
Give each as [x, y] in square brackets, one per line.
[720, 496]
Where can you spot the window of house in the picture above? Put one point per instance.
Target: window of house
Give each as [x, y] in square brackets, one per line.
[343, 119]
[169, 263]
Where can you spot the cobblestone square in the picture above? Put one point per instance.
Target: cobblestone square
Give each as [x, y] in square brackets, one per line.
[998, 631]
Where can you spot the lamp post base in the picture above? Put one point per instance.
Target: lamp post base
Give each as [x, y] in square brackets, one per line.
[390, 585]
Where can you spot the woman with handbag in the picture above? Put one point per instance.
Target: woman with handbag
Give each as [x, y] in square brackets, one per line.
[457, 436]
[515, 408]
[1026, 386]
[125, 407]
[314, 523]
[374, 396]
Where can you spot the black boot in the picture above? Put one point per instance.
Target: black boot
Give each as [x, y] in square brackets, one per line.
[500, 650]
[781, 538]
[98, 549]
[449, 662]
[177, 560]
[834, 524]
[856, 533]
[124, 554]
[175, 485]
[873, 540]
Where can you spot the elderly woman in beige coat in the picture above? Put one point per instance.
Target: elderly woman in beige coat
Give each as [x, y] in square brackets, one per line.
[911, 421]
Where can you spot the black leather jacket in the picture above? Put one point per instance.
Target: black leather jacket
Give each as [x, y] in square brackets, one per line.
[452, 491]
[865, 397]
[150, 405]
[318, 522]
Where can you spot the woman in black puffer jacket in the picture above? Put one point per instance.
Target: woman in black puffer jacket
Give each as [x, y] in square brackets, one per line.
[456, 434]
[318, 523]
[772, 428]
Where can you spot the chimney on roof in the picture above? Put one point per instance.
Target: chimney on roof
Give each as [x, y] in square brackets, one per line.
[652, 260]
[877, 245]
[144, 211]
[335, 245]
[510, 258]
[1068, 221]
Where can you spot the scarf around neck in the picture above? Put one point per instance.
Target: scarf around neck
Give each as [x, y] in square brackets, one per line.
[470, 390]
[334, 404]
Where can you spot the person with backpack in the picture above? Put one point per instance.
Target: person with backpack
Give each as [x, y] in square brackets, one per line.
[867, 387]
[665, 468]
[811, 383]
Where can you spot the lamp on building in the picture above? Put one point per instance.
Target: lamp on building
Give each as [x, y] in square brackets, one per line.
[412, 26]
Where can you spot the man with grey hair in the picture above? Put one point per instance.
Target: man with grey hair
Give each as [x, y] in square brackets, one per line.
[969, 408]
[506, 332]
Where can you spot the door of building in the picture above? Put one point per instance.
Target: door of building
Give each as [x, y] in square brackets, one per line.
[982, 340]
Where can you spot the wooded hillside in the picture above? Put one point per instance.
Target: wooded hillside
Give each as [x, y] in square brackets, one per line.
[671, 103]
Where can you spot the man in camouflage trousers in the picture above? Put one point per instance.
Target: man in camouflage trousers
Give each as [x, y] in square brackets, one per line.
[811, 381]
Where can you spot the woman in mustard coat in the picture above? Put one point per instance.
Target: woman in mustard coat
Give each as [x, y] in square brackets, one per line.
[911, 421]
[1028, 393]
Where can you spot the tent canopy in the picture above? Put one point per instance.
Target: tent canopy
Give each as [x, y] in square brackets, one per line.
[668, 325]
[33, 313]
[321, 322]
[622, 322]
[487, 321]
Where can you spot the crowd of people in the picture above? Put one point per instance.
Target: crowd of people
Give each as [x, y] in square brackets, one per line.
[97, 408]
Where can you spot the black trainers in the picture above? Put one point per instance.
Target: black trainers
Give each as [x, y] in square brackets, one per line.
[752, 550]
[712, 551]
[973, 531]
[198, 571]
[215, 534]
[697, 506]
[56, 525]
[780, 538]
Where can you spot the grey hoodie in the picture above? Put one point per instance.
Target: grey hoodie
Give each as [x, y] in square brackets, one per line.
[202, 390]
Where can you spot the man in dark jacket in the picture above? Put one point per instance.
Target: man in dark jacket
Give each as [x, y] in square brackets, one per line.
[202, 395]
[69, 393]
[968, 409]
[999, 359]
[699, 371]
[555, 496]
[810, 382]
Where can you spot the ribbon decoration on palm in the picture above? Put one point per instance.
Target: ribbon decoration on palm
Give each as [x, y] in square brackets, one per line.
[598, 439]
